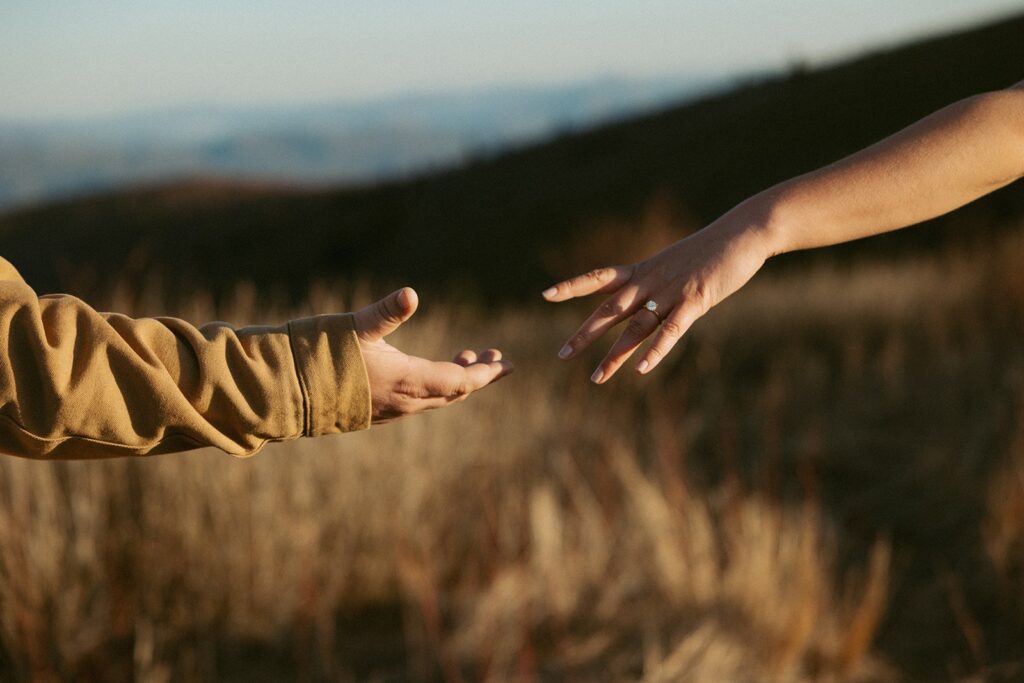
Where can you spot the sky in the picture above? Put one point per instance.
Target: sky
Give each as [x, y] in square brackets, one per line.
[73, 59]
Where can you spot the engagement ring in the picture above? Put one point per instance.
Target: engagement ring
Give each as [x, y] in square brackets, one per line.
[652, 306]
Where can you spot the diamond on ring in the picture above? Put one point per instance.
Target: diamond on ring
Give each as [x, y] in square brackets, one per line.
[652, 306]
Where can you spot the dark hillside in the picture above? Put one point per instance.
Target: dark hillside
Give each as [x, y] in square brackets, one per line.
[496, 223]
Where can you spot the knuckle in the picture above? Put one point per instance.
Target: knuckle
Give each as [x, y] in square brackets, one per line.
[579, 340]
[455, 391]
[386, 310]
[671, 328]
[699, 295]
[635, 328]
[404, 404]
[406, 389]
[610, 309]
[654, 353]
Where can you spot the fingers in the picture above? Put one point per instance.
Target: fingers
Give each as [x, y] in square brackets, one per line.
[465, 358]
[479, 375]
[453, 382]
[640, 326]
[490, 356]
[615, 309]
[469, 356]
[670, 332]
[403, 385]
[383, 317]
[600, 280]
[609, 314]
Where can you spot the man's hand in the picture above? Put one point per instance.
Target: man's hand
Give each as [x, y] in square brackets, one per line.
[405, 385]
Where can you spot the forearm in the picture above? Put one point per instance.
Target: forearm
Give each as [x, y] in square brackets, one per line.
[941, 162]
[76, 383]
[944, 161]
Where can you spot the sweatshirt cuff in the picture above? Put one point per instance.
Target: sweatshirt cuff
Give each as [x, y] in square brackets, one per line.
[332, 375]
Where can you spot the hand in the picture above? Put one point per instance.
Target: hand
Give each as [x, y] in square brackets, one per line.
[685, 280]
[405, 385]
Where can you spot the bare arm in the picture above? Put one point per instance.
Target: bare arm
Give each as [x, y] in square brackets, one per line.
[944, 161]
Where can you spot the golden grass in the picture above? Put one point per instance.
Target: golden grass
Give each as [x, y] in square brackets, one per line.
[764, 509]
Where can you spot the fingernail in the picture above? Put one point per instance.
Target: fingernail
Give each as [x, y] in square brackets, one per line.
[597, 376]
[565, 352]
[549, 292]
[642, 367]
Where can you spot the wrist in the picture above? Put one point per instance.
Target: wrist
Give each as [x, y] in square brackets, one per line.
[759, 223]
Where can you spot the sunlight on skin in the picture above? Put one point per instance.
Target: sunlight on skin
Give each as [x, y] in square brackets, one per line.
[405, 385]
[944, 161]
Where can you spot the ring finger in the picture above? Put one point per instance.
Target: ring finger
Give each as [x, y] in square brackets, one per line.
[644, 322]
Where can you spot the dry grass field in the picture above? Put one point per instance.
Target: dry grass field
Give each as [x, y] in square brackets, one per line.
[826, 483]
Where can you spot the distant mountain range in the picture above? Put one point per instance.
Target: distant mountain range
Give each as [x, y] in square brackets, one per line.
[504, 226]
[329, 143]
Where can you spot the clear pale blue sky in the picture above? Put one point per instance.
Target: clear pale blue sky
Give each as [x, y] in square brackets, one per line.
[72, 58]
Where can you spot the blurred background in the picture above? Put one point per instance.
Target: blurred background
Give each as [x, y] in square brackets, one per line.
[825, 482]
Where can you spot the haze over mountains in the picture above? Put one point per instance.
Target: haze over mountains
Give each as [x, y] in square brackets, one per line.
[505, 225]
[358, 142]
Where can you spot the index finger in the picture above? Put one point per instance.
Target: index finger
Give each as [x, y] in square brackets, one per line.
[599, 280]
[452, 381]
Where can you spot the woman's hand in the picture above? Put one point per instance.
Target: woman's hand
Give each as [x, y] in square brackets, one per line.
[405, 385]
[943, 161]
[684, 280]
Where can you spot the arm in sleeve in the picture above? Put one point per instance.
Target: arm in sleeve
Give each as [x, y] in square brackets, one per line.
[76, 383]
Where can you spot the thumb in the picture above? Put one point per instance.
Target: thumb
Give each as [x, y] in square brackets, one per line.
[383, 317]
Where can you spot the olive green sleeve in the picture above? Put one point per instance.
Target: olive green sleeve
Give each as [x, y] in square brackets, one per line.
[76, 383]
